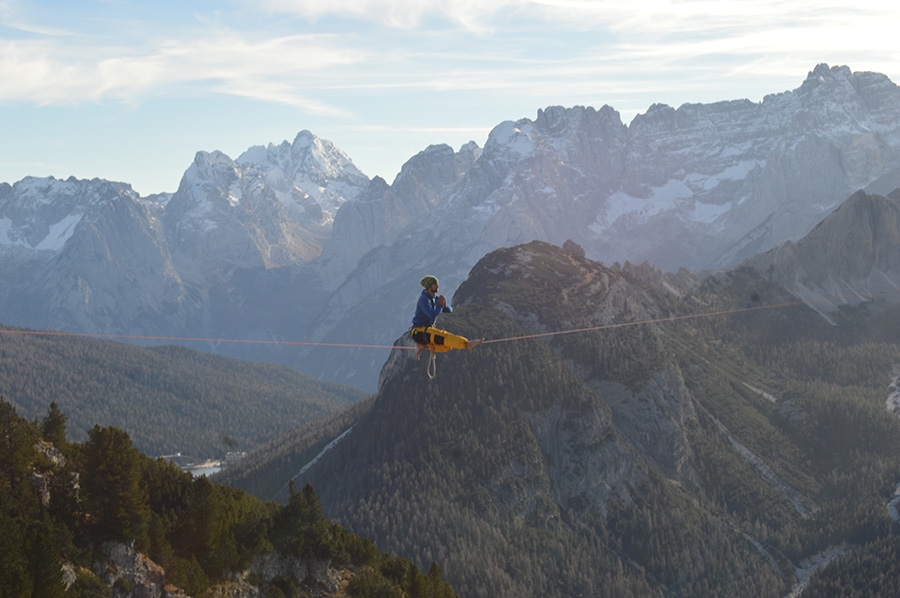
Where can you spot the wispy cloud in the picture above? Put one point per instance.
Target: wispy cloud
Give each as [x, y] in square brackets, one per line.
[48, 71]
[433, 45]
[403, 14]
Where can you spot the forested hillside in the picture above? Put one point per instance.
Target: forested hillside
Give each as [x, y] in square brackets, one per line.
[689, 437]
[168, 399]
[267, 470]
[71, 514]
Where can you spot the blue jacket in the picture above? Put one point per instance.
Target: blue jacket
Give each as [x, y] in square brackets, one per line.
[427, 310]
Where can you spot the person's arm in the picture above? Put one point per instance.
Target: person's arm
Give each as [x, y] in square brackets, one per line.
[445, 307]
[432, 310]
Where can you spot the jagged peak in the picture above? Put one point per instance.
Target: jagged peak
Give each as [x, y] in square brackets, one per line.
[212, 166]
[305, 138]
[314, 166]
[213, 157]
[77, 194]
[514, 139]
[841, 77]
[823, 71]
[559, 121]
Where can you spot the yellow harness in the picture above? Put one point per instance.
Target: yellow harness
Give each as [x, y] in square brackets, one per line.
[433, 340]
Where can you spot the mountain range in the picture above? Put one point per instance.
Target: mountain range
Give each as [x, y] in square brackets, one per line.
[292, 242]
[631, 432]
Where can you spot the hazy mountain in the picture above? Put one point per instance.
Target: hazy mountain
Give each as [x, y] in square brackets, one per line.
[852, 257]
[703, 186]
[221, 258]
[292, 242]
[168, 399]
[629, 432]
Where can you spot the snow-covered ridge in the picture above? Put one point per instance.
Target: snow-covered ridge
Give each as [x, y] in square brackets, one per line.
[515, 140]
[42, 214]
[686, 186]
[311, 167]
[272, 207]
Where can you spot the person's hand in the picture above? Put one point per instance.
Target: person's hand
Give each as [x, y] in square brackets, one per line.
[442, 301]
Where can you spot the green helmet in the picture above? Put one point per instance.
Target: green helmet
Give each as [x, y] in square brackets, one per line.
[428, 281]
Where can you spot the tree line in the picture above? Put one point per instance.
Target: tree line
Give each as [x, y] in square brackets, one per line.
[60, 501]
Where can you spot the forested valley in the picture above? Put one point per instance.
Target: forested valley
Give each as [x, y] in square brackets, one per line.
[169, 399]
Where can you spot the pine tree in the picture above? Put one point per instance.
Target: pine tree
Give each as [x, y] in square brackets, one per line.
[300, 527]
[53, 426]
[112, 485]
[44, 562]
[16, 447]
[15, 577]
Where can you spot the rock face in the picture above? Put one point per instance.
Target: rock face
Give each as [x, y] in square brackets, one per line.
[850, 258]
[655, 420]
[293, 242]
[130, 573]
[680, 187]
[384, 212]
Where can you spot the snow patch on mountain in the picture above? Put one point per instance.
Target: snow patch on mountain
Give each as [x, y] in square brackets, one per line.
[681, 196]
[310, 168]
[514, 140]
[60, 232]
[733, 172]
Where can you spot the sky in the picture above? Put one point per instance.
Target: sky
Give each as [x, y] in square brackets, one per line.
[130, 91]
